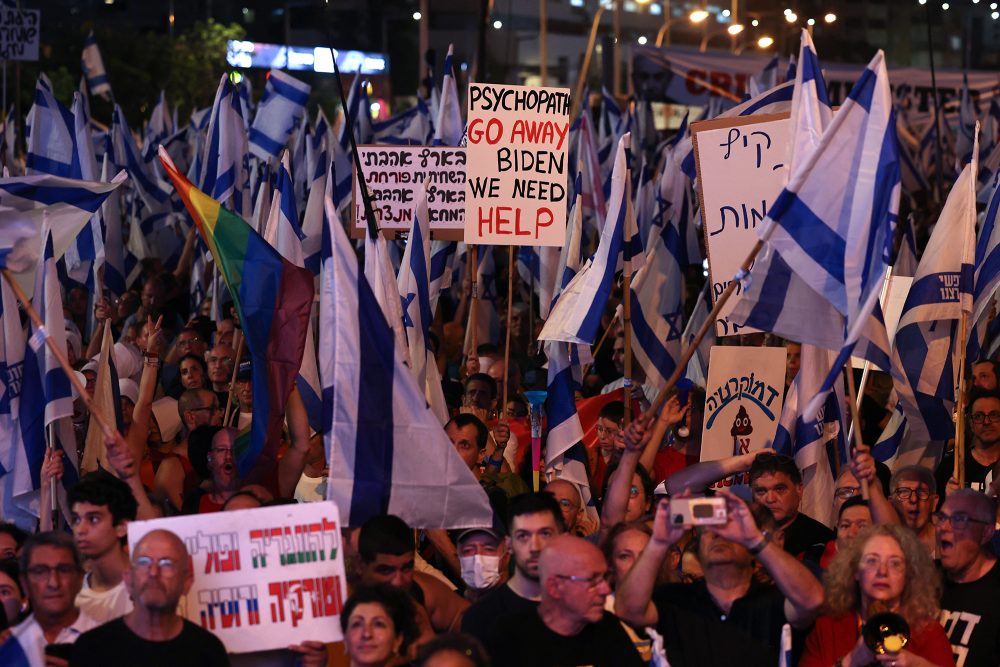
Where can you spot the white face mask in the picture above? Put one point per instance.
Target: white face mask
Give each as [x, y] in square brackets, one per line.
[480, 571]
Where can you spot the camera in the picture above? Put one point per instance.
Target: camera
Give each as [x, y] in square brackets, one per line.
[698, 511]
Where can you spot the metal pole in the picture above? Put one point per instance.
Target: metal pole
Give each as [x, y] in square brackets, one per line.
[543, 42]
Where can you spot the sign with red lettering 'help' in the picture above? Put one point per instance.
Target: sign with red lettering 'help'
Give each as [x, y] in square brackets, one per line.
[516, 173]
[263, 578]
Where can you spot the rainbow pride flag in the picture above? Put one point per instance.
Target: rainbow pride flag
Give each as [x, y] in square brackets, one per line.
[273, 298]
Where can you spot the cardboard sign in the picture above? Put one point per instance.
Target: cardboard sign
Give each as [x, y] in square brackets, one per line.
[741, 172]
[516, 191]
[263, 578]
[19, 31]
[743, 398]
[395, 174]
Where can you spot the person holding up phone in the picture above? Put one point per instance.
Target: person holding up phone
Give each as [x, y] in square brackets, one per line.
[728, 617]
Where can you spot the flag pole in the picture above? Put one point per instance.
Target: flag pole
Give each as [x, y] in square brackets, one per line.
[600, 343]
[53, 500]
[627, 305]
[473, 329]
[510, 310]
[238, 335]
[855, 425]
[692, 347]
[866, 369]
[960, 399]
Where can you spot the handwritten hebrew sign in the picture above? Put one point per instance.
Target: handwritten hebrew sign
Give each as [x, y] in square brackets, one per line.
[743, 400]
[19, 31]
[741, 171]
[518, 144]
[263, 578]
[394, 175]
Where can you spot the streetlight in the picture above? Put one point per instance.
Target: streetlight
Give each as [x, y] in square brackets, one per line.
[642, 40]
[764, 42]
[732, 30]
[791, 17]
[497, 24]
[735, 29]
[830, 18]
[417, 16]
[698, 15]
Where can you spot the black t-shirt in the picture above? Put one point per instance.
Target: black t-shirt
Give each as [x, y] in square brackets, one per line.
[115, 644]
[970, 614]
[977, 476]
[697, 632]
[805, 536]
[480, 617]
[524, 640]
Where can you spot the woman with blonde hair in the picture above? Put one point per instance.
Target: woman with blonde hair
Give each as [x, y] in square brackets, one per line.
[884, 569]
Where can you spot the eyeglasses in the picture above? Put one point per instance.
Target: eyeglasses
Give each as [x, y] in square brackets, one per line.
[167, 566]
[43, 572]
[873, 562]
[222, 450]
[958, 521]
[845, 492]
[982, 417]
[904, 493]
[593, 581]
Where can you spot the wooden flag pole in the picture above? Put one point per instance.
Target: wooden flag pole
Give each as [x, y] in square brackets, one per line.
[855, 424]
[53, 499]
[510, 310]
[473, 302]
[866, 369]
[627, 305]
[959, 472]
[692, 347]
[238, 336]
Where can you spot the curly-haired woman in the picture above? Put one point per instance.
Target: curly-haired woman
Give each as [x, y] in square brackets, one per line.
[884, 569]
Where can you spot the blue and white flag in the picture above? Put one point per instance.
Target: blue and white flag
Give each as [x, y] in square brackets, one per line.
[282, 229]
[93, 68]
[159, 128]
[281, 107]
[357, 105]
[11, 370]
[225, 171]
[379, 273]
[50, 135]
[46, 397]
[922, 369]
[448, 126]
[576, 314]
[320, 190]
[570, 255]
[86, 254]
[987, 277]
[387, 451]
[968, 126]
[114, 246]
[413, 282]
[697, 370]
[767, 79]
[154, 192]
[443, 255]
[412, 127]
[810, 106]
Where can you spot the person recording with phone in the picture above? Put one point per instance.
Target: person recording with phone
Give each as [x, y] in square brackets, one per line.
[727, 617]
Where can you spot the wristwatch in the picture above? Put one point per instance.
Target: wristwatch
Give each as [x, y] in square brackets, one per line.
[760, 546]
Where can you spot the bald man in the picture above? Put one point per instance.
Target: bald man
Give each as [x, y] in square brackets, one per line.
[570, 625]
[153, 634]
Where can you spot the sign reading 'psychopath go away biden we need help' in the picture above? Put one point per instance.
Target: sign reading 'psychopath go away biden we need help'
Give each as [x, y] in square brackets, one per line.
[517, 165]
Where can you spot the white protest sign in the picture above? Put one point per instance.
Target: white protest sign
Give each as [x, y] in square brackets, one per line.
[19, 31]
[741, 172]
[517, 172]
[263, 578]
[743, 398]
[395, 174]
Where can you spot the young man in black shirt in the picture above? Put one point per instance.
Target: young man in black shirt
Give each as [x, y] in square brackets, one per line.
[982, 455]
[535, 518]
[569, 626]
[152, 634]
[969, 610]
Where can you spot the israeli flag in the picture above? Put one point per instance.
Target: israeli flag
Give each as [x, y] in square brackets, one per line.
[379, 273]
[576, 314]
[922, 369]
[93, 68]
[412, 127]
[767, 79]
[442, 268]
[281, 107]
[50, 139]
[448, 127]
[968, 126]
[986, 279]
[154, 192]
[225, 171]
[320, 190]
[371, 404]
[414, 292]
[282, 229]
[357, 105]
[114, 247]
[11, 372]
[697, 370]
[86, 254]
[590, 182]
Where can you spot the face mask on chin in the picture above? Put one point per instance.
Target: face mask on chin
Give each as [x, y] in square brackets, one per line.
[480, 571]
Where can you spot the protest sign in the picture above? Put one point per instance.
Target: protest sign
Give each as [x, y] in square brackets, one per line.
[263, 578]
[517, 173]
[743, 398]
[395, 174]
[741, 171]
[19, 31]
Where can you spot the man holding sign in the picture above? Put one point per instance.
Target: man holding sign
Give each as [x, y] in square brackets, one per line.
[153, 633]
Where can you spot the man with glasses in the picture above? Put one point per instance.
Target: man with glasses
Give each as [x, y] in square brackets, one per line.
[969, 610]
[52, 575]
[570, 625]
[220, 360]
[153, 633]
[983, 453]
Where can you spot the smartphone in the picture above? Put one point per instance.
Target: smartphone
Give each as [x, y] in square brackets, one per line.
[698, 511]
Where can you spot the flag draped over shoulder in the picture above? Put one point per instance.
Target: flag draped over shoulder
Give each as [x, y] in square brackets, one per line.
[387, 450]
[273, 298]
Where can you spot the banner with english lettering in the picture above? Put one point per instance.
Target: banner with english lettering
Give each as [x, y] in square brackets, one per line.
[516, 185]
[743, 397]
[263, 578]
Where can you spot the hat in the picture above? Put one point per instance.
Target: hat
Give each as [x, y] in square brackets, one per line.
[244, 373]
[129, 389]
[489, 531]
[128, 360]
[91, 365]
[167, 417]
[74, 341]
[83, 381]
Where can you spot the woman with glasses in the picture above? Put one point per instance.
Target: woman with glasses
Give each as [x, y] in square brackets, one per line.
[883, 569]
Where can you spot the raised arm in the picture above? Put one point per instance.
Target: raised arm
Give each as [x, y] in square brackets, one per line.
[292, 464]
[142, 413]
[671, 415]
[702, 475]
[637, 437]
[125, 467]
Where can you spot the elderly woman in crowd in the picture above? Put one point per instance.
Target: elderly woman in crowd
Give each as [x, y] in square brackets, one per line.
[883, 569]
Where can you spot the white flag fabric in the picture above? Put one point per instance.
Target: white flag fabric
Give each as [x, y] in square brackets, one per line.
[281, 107]
[93, 68]
[448, 128]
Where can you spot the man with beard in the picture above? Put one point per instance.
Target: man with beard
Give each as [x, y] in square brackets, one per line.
[570, 625]
[153, 633]
[535, 518]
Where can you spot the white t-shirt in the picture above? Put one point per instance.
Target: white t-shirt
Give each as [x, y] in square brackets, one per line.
[305, 490]
[106, 605]
[29, 635]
